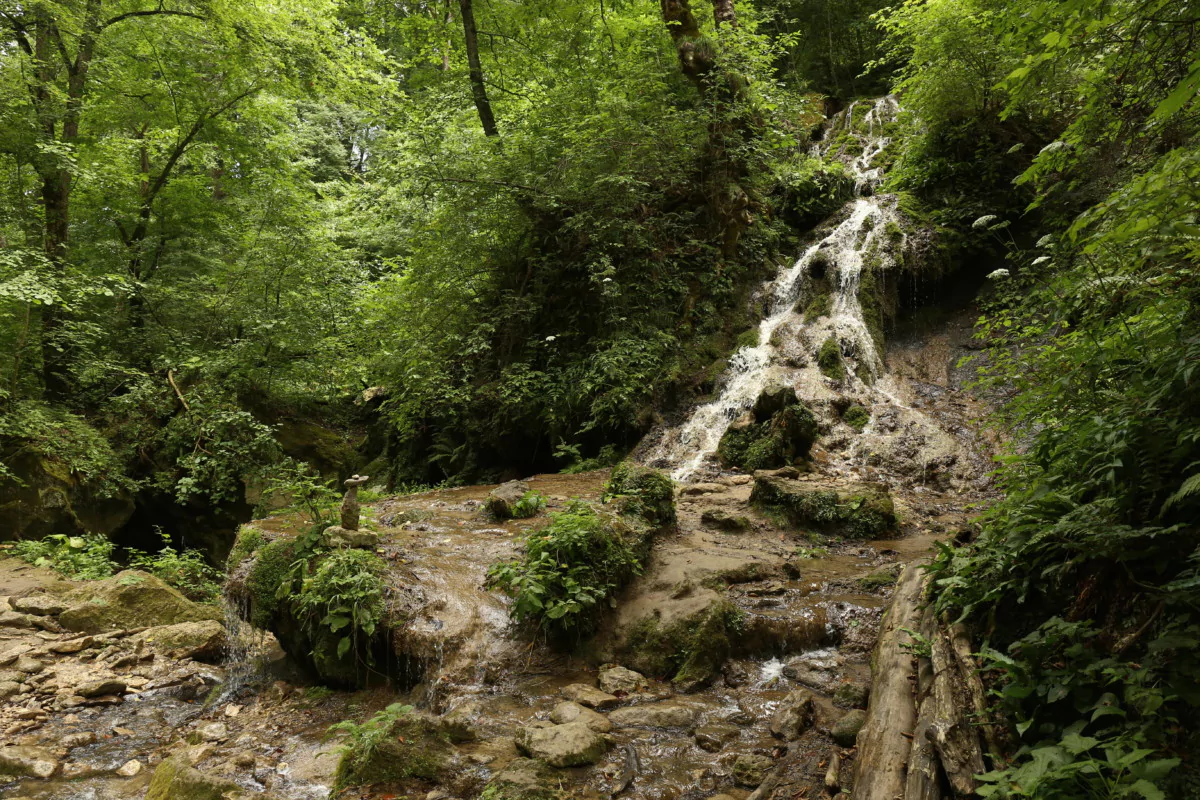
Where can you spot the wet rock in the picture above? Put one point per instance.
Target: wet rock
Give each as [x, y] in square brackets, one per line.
[130, 599]
[615, 679]
[461, 722]
[778, 431]
[806, 675]
[863, 510]
[523, 779]
[337, 536]
[201, 641]
[701, 488]
[735, 675]
[501, 501]
[213, 732]
[590, 696]
[572, 744]
[175, 779]
[654, 715]
[749, 770]
[81, 739]
[39, 605]
[130, 768]
[27, 762]
[794, 715]
[852, 695]
[689, 650]
[845, 730]
[724, 521]
[643, 492]
[712, 738]
[100, 688]
[414, 745]
[567, 711]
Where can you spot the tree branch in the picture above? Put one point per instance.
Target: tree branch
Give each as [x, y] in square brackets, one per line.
[158, 12]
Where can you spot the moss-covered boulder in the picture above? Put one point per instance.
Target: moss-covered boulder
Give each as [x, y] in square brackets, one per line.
[689, 652]
[859, 511]
[176, 779]
[778, 431]
[523, 779]
[397, 745]
[44, 496]
[502, 501]
[642, 492]
[571, 744]
[130, 599]
[723, 520]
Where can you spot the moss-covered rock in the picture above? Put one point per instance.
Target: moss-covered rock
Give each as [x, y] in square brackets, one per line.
[176, 779]
[130, 599]
[723, 520]
[502, 501]
[829, 359]
[860, 511]
[44, 496]
[523, 779]
[778, 431]
[856, 417]
[690, 652]
[401, 746]
[643, 492]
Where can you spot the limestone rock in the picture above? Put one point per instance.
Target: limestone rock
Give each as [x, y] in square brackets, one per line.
[39, 605]
[713, 738]
[27, 762]
[749, 770]
[337, 536]
[654, 715]
[130, 599]
[129, 768]
[590, 696]
[794, 715]
[615, 679]
[501, 501]
[572, 744]
[213, 732]
[862, 510]
[852, 695]
[202, 641]
[845, 730]
[524, 779]
[722, 520]
[100, 688]
[567, 711]
[175, 779]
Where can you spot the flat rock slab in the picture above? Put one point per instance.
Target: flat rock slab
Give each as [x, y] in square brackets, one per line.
[654, 715]
[590, 696]
[27, 762]
[567, 711]
[620, 679]
[572, 744]
[40, 605]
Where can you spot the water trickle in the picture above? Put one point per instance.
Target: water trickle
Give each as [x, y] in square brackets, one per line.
[862, 240]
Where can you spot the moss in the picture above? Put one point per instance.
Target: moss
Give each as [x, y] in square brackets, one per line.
[748, 338]
[818, 306]
[689, 652]
[856, 417]
[829, 359]
[248, 540]
[879, 579]
[864, 513]
[271, 567]
[782, 433]
[405, 746]
[647, 493]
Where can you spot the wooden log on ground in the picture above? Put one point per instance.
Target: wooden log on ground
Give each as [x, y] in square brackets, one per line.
[924, 779]
[956, 740]
[883, 743]
[994, 733]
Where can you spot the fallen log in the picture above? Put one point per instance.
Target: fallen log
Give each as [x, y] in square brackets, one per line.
[883, 746]
[924, 779]
[956, 740]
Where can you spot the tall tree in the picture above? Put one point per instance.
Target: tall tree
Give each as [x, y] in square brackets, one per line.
[478, 88]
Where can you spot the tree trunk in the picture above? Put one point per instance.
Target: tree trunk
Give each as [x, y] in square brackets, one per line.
[724, 13]
[478, 89]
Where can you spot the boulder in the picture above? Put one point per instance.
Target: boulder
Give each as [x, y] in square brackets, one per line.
[39, 605]
[100, 688]
[48, 497]
[337, 536]
[176, 779]
[414, 746]
[501, 501]
[722, 520]
[845, 730]
[523, 779]
[615, 679]
[643, 492]
[852, 695]
[778, 431]
[202, 641]
[572, 744]
[749, 770]
[714, 737]
[794, 715]
[567, 711]
[590, 696]
[130, 599]
[27, 762]
[654, 715]
[862, 511]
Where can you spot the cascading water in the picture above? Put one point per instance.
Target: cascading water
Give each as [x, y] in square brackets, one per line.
[842, 254]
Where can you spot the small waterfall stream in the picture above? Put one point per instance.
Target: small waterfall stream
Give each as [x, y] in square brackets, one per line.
[843, 254]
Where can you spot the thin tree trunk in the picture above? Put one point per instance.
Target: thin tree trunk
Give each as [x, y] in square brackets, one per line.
[478, 89]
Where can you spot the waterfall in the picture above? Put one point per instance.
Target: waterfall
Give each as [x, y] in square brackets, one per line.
[844, 253]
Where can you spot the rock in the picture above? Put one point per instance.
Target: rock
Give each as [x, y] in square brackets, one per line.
[28, 665]
[130, 599]
[572, 744]
[523, 779]
[863, 510]
[794, 715]
[81, 739]
[590, 696]
[643, 492]
[27, 762]
[701, 488]
[175, 779]
[567, 711]
[714, 737]
[39, 605]
[48, 497]
[213, 732]
[101, 688]
[654, 715]
[778, 431]
[202, 641]
[413, 746]
[129, 768]
[724, 521]
[735, 675]
[8, 689]
[15, 619]
[337, 536]
[71, 646]
[502, 500]
[845, 730]
[619, 679]
[852, 695]
[749, 770]
[11, 653]
[816, 679]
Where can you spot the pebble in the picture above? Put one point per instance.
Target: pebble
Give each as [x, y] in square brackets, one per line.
[130, 768]
[213, 732]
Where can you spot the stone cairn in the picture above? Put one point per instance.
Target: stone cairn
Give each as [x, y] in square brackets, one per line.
[347, 534]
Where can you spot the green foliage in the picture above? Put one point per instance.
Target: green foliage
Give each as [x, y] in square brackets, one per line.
[829, 359]
[87, 557]
[63, 438]
[393, 744]
[186, 570]
[569, 572]
[642, 492]
[306, 489]
[342, 593]
[856, 417]
[609, 455]
[530, 505]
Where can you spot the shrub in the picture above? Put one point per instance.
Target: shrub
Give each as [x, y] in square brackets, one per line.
[186, 570]
[87, 557]
[304, 489]
[530, 505]
[644, 492]
[569, 569]
[343, 595]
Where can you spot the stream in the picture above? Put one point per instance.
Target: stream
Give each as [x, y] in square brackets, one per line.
[811, 607]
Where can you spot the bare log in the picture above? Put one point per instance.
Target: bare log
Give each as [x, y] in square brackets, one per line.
[883, 743]
[923, 781]
[994, 732]
[955, 739]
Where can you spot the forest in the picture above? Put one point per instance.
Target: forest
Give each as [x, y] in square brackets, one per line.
[249, 249]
